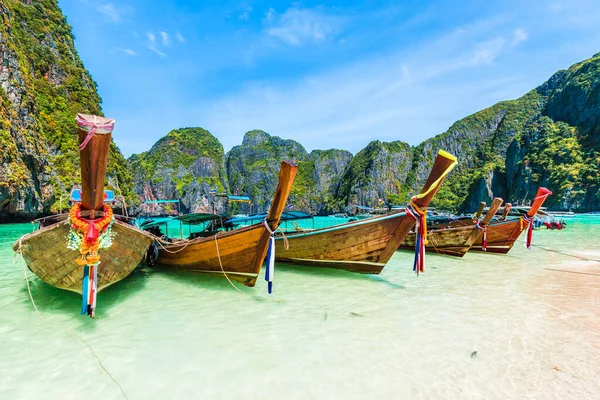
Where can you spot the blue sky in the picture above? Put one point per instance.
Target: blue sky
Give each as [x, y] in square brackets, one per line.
[329, 74]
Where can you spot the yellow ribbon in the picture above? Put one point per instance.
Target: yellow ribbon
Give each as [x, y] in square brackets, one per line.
[439, 180]
[433, 186]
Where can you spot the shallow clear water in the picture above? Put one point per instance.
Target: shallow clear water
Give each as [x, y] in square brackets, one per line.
[532, 317]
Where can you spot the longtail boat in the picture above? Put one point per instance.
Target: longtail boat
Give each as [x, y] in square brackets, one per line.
[90, 248]
[455, 241]
[363, 246]
[236, 254]
[502, 234]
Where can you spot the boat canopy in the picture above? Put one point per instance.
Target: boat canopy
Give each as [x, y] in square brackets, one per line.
[197, 218]
[365, 208]
[242, 199]
[189, 219]
[109, 196]
[160, 201]
[285, 216]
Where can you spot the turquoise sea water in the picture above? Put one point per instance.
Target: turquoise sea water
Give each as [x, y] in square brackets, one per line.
[532, 317]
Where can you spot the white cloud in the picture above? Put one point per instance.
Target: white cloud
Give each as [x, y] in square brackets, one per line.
[111, 12]
[297, 26]
[414, 93]
[157, 51]
[180, 38]
[245, 16]
[152, 45]
[489, 50]
[129, 52]
[519, 35]
[165, 38]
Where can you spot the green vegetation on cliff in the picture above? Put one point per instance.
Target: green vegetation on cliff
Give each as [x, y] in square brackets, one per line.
[174, 155]
[44, 84]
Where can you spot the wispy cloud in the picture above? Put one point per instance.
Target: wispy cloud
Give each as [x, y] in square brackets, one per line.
[165, 38]
[299, 26]
[489, 50]
[519, 35]
[400, 96]
[245, 15]
[111, 12]
[180, 38]
[129, 52]
[152, 45]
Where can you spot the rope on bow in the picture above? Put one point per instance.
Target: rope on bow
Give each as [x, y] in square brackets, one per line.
[420, 217]
[94, 129]
[270, 271]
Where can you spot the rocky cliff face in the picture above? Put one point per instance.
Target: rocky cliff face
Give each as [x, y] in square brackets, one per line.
[188, 165]
[253, 167]
[318, 181]
[379, 171]
[549, 137]
[43, 84]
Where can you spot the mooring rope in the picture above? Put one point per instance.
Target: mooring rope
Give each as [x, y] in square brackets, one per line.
[221, 264]
[160, 241]
[552, 250]
[566, 254]
[19, 253]
[572, 272]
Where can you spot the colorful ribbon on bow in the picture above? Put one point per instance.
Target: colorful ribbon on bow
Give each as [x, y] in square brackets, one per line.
[484, 241]
[94, 128]
[89, 289]
[421, 235]
[270, 271]
[529, 234]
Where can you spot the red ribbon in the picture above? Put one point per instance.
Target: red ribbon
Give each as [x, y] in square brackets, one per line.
[529, 235]
[92, 232]
[484, 240]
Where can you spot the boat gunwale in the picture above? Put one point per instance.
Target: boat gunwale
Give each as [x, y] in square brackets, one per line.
[293, 235]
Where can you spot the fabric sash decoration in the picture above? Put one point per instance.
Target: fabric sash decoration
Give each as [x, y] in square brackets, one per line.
[484, 241]
[89, 289]
[529, 234]
[270, 271]
[421, 215]
[421, 236]
[94, 129]
[84, 290]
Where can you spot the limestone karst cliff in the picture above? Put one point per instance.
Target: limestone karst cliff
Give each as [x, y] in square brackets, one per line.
[43, 84]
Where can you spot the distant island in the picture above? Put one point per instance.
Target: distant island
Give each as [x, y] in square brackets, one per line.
[548, 137]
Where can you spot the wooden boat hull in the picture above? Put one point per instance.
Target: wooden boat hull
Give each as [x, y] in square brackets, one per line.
[501, 236]
[237, 254]
[366, 245]
[363, 246]
[454, 241]
[233, 254]
[46, 254]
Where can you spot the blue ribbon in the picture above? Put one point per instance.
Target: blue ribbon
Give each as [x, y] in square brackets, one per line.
[417, 250]
[84, 290]
[268, 269]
